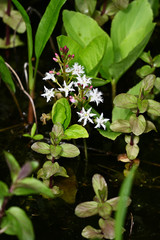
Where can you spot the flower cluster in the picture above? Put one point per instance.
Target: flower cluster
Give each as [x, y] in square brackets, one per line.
[77, 87]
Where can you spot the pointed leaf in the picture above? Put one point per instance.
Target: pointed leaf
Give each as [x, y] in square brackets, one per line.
[149, 127]
[69, 150]
[75, 131]
[100, 187]
[27, 169]
[33, 129]
[86, 209]
[41, 147]
[17, 223]
[13, 165]
[4, 191]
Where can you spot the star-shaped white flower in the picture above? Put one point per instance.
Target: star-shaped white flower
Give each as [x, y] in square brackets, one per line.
[101, 121]
[48, 93]
[67, 88]
[49, 76]
[95, 96]
[83, 81]
[85, 116]
[77, 69]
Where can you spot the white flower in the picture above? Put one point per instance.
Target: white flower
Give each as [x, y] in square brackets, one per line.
[77, 69]
[66, 88]
[86, 116]
[95, 96]
[49, 76]
[49, 93]
[68, 69]
[101, 121]
[83, 81]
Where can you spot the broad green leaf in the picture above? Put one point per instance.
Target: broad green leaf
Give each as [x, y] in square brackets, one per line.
[157, 83]
[6, 75]
[100, 187]
[108, 133]
[29, 186]
[15, 21]
[130, 27]
[121, 126]
[86, 7]
[98, 82]
[145, 70]
[147, 84]
[4, 191]
[75, 131]
[12, 164]
[28, 27]
[91, 233]
[41, 147]
[69, 150]
[137, 124]
[153, 107]
[104, 210]
[146, 57]
[125, 100]
[61, 112]
[142, 105]
[149, 127]
[132, 151]
[18, 223]
[46, 25]
[38, 137]
[122, 209]
[86, 209]
[156, 61]
[55, 150]
[14, 42]
[49, 169]
[108, 228]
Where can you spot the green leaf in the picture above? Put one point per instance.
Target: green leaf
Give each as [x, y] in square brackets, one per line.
[29, 186]
[27, 169]
[149, 127]
[6, 75]
[4, 191]
[86, 7]
[49, 169]
[132, 151]
[86, 209]
[14, 42]
[145, 70]
[12, 164]
[100, 187]
[157, 83]
[41, 147]
[55, 150]
[15, 21]
[61, 172]
[69, 150]
[98, 82]
[156, 61]
[75, 131]
[135, 139]
[17, 223]
[142, 105]
[121, 126]
[38, 137]
[58, 130]
[153, 107]
[91, 233]
[122, 209]
[108, 228]
[137, 124]
[61, 112]
[33, 130]
[125, 100]
[108, 133]
[147, 84]
[104, 210]
[146, 57]
[46, 25]
[130, 27]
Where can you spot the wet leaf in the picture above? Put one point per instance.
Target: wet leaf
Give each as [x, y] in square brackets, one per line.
[104, 210]
[138, 124]
[149, 127]
[18, 223]
[107, 228]
[125, 100]
[41, 147]
[15, 21]
[92, 233]
[100, 187]
[75, 131]
[12, 164]
[69, 150]
[132, 151]
[153, 108]
[121, 125]
[144, 71]
[142, 105]
[156, 61]
[86, 209]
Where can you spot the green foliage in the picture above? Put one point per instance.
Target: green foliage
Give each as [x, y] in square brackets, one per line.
[33, 134]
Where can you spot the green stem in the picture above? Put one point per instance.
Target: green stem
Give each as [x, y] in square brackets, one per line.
[114, 85]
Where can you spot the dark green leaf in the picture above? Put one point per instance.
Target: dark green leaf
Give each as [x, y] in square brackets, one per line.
[13, 165]
[108, 133]
[4, 191]
[6, 75]
[75, 131]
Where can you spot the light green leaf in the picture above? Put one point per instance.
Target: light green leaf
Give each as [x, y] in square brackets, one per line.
[61, 112]
[86, 7]
[69, 150]
[149, 127]
[91, 233]
[142, 105]
[55, 150]
[6, 75]
[46, 25]
[156, 61]
[4, 191]
[147, 84]
[33, 129]
[12, 164]
[108, 228]
[157, 83]
[41, 147]
[146, 57]
[17, 223]
[135, 139]
[14, 42]
[145, 70]
[15, 21]
[100, 187]
[153, 107]
[121, 126]
[75, 131]
[138, 124]
[49, 169]
[125, 100]
[86, 209]
[38, 137]
[104, 210]
[58, 130]
[132, 151]
[29, 186]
